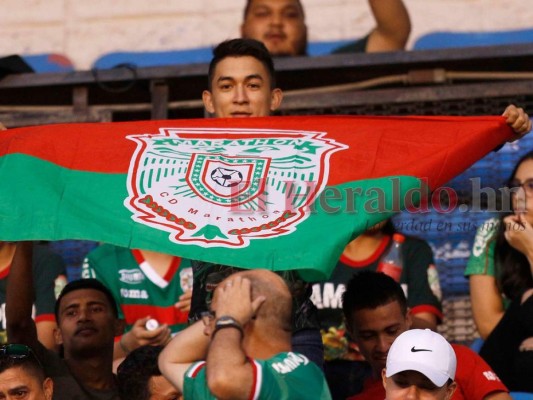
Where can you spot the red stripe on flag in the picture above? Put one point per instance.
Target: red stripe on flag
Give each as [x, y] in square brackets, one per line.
[379, 146]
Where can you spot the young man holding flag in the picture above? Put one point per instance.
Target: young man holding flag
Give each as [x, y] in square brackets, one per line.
[241, 84]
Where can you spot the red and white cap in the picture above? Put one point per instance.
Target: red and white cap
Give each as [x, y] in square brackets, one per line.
[424, 351]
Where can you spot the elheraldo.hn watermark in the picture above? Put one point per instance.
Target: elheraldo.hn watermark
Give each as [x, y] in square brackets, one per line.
[387, 197]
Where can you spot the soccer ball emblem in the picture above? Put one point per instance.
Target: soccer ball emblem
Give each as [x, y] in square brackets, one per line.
[226, 177]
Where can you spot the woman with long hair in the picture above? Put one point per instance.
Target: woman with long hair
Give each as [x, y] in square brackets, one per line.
[501, 283]
[500, 265]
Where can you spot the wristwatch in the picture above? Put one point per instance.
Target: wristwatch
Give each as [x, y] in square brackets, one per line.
[226, 321]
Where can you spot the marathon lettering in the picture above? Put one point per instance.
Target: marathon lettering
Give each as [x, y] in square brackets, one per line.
[163, 212]
[194, 211]
[219, 143]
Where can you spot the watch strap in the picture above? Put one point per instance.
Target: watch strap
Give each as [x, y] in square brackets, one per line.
[227, 322]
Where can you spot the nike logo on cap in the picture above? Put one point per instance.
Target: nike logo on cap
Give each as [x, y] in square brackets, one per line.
[413, 350]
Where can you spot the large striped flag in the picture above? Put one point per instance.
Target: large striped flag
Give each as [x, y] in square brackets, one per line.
[276, 193]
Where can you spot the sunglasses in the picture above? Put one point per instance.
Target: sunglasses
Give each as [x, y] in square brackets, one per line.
[18, 352]
[527, 185]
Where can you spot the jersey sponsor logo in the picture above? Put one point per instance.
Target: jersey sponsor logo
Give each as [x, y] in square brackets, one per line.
[327, 295]
[131, 276]
[186, 279]
[290, 363]
[434, 281]
[134, 294]
[491, 376]
[226, 187]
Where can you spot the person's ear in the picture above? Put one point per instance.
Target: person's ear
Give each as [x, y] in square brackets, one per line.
[120, 325]
[450, 390]
[48, 388]
[207, 99]
[384, 377]
[276, 96]
[58, 337]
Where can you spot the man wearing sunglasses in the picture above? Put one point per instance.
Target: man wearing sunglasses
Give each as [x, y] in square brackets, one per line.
[87, 319]
[21, 375]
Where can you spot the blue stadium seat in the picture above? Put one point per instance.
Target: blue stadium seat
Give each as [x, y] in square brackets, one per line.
[50, 62]
[73, 253]
[189, 56]
[142, 59]
[440, 40]
[521, 396]
[325, 48]
[477, 344]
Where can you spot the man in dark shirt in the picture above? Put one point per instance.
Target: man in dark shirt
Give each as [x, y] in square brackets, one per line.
[280, 25]
[87, 319]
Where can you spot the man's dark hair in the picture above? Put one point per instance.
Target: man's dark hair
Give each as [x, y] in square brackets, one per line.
[136, 370]
[369, 290]
[86, 284]
[28, 363]
[241, 48]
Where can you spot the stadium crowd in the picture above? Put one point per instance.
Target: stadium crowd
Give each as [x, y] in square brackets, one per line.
[147, 325]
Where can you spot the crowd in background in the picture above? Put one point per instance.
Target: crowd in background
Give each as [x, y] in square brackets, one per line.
[175, 327]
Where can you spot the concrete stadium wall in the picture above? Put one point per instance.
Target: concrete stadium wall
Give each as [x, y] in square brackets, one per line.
[85, 29]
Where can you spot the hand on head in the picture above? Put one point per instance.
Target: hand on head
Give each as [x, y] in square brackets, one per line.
[234, 298]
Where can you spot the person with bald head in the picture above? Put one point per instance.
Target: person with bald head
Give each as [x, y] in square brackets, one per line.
[241, 348]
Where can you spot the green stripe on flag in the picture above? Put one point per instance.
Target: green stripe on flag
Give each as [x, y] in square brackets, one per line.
[43, 201]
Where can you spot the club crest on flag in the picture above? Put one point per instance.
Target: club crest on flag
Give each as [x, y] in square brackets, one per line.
[227, 181]
[225, 187]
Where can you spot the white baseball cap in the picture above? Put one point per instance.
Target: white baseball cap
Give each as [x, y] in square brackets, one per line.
[424, 351]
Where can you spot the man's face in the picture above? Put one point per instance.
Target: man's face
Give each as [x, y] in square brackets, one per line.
[86, 322]
[241, 88]
[161, 389]
[18, 383]
[279, 24]
[416, 386]
[374, 330]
